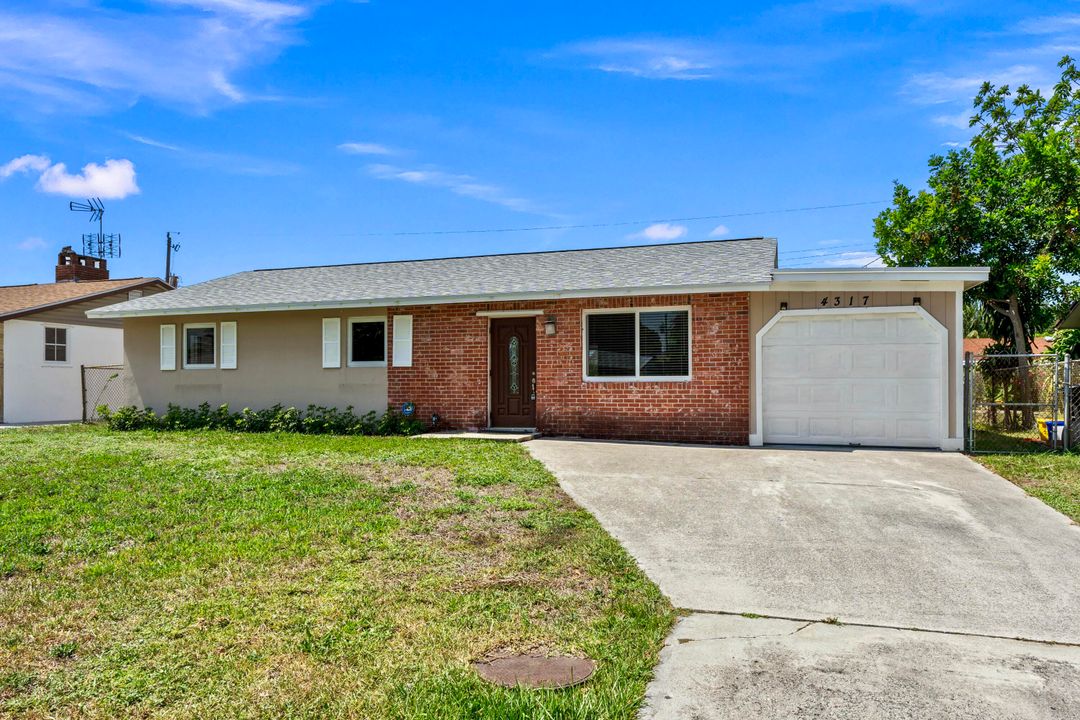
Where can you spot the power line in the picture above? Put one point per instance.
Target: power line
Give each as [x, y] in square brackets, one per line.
[814, 259]
[623, 223]
[795, 254]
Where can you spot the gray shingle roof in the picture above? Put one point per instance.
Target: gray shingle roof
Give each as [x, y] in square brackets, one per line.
[679, 267]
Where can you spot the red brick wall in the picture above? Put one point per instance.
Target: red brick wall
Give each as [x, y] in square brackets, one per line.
[450, 370]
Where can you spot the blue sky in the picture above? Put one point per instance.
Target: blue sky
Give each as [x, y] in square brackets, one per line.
[286, 132]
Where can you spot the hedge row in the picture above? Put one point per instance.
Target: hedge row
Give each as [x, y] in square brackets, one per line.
[313, 421]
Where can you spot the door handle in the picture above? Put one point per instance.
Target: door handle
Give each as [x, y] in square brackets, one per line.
[532, 395]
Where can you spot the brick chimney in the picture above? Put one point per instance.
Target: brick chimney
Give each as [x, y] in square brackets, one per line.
[73, 267]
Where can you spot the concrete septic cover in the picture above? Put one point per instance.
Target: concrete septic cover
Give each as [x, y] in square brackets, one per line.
[535, 671]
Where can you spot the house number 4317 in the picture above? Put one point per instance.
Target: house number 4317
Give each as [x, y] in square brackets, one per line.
[841, 301]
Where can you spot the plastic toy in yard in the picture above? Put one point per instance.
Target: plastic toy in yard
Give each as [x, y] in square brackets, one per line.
[1058, 427]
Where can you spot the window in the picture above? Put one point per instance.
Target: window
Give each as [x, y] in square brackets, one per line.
[367, 342]
[56, 344]
[199, 346]
[638, 345]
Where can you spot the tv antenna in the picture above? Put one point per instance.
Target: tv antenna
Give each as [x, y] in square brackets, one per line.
[98, 245]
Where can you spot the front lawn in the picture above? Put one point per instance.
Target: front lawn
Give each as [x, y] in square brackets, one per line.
[1054, 478]
[209, 574]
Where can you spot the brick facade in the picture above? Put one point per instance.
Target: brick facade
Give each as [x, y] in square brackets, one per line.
[449, 374]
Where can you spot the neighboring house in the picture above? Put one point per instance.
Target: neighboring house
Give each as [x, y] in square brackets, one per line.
[1072, 320]
[978, 346]
[696, 341]
[45, 337]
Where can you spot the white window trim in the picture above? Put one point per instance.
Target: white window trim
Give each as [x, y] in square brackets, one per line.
[67, 346]
[638, 377]
[365, 363]
[183, 346]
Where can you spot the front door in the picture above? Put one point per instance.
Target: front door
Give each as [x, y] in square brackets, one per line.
[513, 372]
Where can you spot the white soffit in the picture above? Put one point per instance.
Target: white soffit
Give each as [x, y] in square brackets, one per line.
[930, 278]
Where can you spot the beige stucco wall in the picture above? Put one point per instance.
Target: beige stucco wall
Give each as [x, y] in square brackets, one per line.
[940, 304]
[279, 360]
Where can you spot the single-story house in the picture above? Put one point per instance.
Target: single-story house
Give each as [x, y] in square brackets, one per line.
[695, 341]
[46, 336]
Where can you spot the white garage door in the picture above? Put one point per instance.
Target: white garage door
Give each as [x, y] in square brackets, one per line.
[843, 378]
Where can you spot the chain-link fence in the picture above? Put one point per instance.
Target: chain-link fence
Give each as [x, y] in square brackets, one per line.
[101, 385]
[1072, 403]
[1017, 403]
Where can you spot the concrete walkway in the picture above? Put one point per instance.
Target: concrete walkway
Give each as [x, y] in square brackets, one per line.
[932, 565]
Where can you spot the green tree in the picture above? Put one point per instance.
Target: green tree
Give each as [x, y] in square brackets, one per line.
[1010, 201]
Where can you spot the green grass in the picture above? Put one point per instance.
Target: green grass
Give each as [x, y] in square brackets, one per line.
[1054, 478]
[208, 574]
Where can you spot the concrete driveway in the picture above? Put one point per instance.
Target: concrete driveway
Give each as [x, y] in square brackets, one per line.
[958, 595]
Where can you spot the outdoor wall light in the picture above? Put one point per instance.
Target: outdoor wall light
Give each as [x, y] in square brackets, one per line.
[783, 306]
[549, 325]
[916, 300]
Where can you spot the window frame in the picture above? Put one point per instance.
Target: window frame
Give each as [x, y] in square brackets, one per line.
[636, 312]
[184, 346]
[349, 362]
[66, 362]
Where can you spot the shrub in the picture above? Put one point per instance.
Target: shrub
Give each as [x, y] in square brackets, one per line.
[316, 420]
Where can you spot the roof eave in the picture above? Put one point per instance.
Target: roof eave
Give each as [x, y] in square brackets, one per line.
[969, 277]
[16, 314]
[110, 312]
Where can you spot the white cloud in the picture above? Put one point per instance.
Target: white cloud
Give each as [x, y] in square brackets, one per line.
[703, 58]
[936, 88]
[180, 52]
[142, 139]
[365, 148]
[952, 144]
[259, 10]
[1050, 24]
[719, 231]
[31, 243]
[667, 59]
[960, 121]
[660, 232]
[854, 259]
[464, 185]
[26, 163]
[115, 179]
[233, 163]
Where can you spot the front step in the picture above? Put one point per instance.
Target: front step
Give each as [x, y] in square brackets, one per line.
[495, 434]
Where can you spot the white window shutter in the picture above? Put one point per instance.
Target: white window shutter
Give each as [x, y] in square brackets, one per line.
[403, 341]
[228, 346]
[168, 347]
[331, 342]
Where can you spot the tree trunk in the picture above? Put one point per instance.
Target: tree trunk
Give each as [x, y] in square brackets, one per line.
[1011, 310]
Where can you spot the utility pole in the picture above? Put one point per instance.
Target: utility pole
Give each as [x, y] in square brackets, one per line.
[170, 248]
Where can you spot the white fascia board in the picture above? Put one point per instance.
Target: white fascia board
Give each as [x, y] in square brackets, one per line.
[886, 278]
[114, 312]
